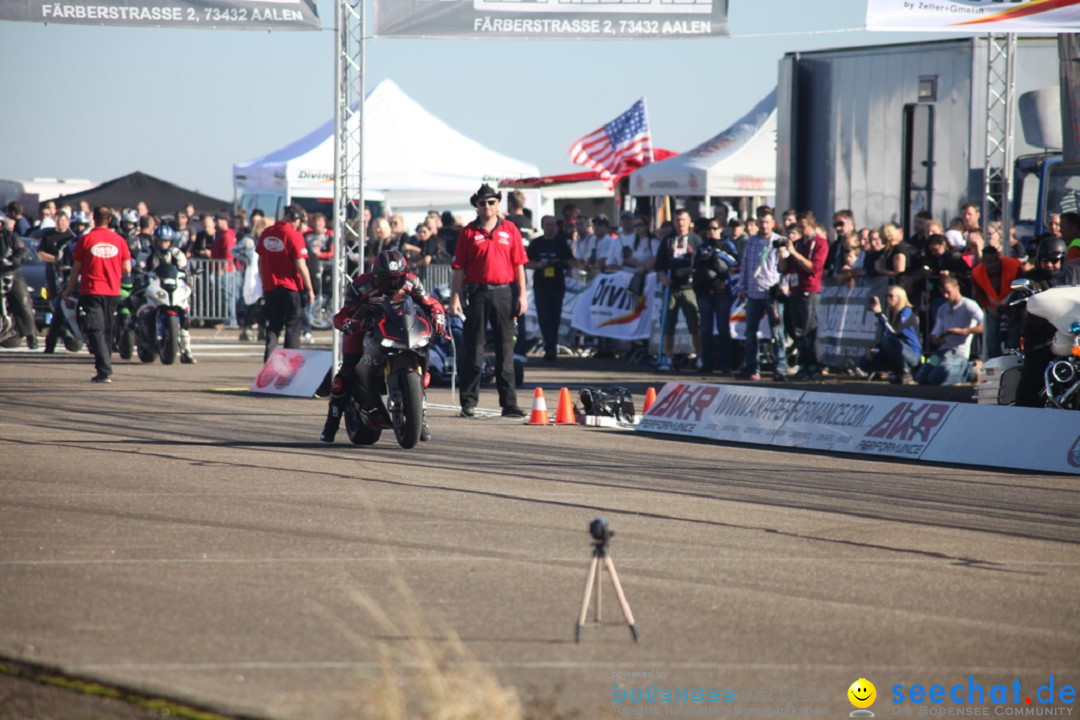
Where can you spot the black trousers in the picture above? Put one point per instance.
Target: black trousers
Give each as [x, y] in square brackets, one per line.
[284, 311]
[1033, 376]
[488, 305]
[804, 327]
[21, 306]
[100, 313]
[549, 303]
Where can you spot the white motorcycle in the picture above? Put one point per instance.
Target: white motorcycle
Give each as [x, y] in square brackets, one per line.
[1061, 389]
[166, 301]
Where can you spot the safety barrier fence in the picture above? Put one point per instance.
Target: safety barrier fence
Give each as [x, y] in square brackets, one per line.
[213, 289]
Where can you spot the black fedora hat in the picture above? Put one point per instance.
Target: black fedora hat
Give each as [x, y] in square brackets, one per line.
[485, 191]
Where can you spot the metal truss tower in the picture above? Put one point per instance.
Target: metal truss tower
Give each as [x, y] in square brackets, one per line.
[1000, 109]
[348, 149]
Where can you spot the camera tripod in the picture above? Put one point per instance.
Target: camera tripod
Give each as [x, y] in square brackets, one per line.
[593, 578]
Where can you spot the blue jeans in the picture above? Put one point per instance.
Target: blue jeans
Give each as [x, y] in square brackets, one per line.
[715, 347]
[229, 278]
[950, 368]
[755, 309]
[893, 356]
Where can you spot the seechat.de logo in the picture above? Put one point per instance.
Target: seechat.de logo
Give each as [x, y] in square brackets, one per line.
[1005, 699]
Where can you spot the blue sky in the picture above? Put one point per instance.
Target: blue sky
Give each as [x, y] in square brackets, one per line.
[184, 105]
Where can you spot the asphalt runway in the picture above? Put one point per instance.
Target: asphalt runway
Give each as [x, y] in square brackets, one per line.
[172, 534]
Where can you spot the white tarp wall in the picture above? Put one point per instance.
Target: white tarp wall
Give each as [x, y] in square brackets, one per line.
[739, 162]
[410, 156]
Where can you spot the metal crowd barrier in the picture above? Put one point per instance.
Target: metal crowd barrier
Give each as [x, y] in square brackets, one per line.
[207, 280]
[435, 275]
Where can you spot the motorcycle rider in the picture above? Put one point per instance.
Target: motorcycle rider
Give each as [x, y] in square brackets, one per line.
[164, 252]
[12, 253]
[1038, 333]
[390, 276]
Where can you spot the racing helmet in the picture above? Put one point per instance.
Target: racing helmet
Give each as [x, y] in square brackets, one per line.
[130, 216]
[164, 233]
[1051, 248]
[390, 270]
[80, 217]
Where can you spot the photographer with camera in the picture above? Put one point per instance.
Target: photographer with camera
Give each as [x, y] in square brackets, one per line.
[549, 259]
[759, 286]
[806, 259]
[712, 284]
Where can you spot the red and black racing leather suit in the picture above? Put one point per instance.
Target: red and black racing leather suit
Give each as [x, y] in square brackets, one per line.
[353, 367]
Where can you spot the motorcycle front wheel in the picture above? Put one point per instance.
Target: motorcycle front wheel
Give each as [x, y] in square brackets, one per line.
[125, 344]
[170, 339]
[73, 345]
[409, 418]
[322, 317]
[359, 433]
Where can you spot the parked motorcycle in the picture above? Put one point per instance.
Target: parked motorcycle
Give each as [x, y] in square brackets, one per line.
[1061, 389]
[400, 336]
[123, 325]
[164, 308]
[71, 333]
[322, 314]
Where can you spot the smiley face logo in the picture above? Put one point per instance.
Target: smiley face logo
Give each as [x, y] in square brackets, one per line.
[862, 693]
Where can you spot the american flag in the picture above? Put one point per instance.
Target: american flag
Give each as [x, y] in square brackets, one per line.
[622, 145]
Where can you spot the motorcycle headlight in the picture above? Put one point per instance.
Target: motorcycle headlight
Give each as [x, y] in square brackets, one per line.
[423, 341]
[1075, 327]
[161, 295]
[387, 342]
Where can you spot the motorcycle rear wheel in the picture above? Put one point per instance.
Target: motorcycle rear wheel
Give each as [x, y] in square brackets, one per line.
[359, 433]
[409, 419]
[170, 340]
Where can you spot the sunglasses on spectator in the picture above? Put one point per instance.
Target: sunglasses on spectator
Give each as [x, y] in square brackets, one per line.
[714, 227]
[838, 224]
[491, 201]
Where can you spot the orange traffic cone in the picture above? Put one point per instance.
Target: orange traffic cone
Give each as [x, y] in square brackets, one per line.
[564, 414]
[539, 414]
[650, 398]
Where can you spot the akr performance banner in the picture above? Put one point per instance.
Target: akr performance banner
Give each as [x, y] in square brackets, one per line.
[977, 16]
[205, 14]
[551, 19]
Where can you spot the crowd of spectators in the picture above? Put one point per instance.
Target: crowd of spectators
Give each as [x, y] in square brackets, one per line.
[773, 267]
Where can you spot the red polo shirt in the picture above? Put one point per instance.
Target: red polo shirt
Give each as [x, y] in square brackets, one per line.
[224, 242]
[280, 246]
[101, 253]
[489, 258]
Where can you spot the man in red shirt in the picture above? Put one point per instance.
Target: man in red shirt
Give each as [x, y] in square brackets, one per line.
[489, 262]
[284, 272]
[807, 252]
[101, 259]
[224, 241]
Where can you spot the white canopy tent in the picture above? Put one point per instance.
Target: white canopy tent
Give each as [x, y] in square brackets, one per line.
[411, 159]
[739, 162]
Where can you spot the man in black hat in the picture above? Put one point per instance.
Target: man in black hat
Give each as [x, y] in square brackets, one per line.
[489, 262]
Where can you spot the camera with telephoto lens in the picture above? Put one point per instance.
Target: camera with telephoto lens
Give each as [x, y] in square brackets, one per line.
[600, 530]
[779, 243]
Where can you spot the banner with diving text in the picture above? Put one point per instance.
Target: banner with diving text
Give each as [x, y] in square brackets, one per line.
[609, 307]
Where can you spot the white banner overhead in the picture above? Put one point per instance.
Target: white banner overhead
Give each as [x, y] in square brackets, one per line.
[976, 16]
[205, 14]
[551, 19]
